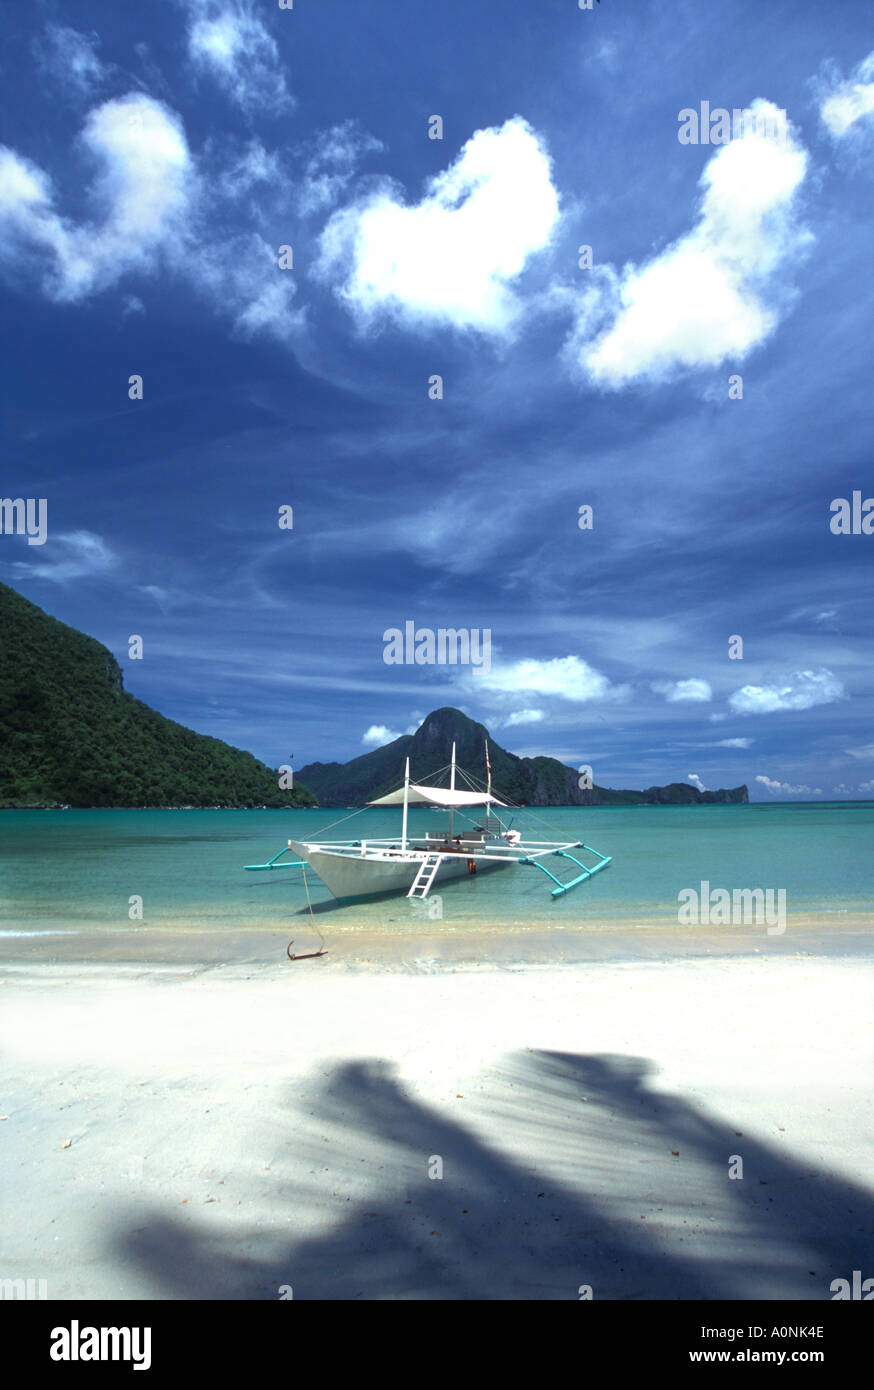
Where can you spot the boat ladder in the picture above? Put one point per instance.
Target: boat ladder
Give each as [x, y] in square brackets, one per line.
[421, 885]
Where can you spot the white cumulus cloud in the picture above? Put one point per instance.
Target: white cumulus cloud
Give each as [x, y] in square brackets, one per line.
[784, 788]
[802, 690]
[692, 689]
[703, 299]
[150, 212]
[453, 257]
[524, 716]
[378, 735]
[696, 781]
[141, 189]
[568, 677]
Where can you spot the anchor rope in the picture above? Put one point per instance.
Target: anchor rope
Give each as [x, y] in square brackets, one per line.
[288, 950]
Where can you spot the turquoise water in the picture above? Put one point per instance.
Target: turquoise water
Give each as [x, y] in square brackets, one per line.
[64, 871]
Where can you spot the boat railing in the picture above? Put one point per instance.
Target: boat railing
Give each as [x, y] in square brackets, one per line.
[390, 847]
[522, 852]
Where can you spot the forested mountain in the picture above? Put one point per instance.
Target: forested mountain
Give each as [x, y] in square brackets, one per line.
[523, 781]
[70, 733]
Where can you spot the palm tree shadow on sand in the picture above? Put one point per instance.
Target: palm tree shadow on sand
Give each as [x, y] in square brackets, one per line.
[581, 1188]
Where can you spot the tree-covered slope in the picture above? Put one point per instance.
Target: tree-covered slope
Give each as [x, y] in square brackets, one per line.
[71, 734]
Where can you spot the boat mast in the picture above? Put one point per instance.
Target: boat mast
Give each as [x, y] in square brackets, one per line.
[452, 787]
[406, 802]
[488, 785]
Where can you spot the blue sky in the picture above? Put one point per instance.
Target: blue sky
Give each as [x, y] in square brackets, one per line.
[154, 160]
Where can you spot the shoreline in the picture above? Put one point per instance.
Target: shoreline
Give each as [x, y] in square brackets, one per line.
[478, 946]
[529, 806]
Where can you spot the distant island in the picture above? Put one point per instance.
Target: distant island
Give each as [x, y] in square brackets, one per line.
[72, 736]
[523, 781]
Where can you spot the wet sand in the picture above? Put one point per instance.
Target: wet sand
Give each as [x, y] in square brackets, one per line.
[401, 946]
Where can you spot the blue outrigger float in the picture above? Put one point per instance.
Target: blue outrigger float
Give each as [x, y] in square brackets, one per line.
[413, 865]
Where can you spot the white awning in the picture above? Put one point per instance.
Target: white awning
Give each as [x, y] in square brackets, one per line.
[436, 796]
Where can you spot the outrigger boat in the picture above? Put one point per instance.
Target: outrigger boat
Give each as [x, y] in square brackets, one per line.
[413, 865]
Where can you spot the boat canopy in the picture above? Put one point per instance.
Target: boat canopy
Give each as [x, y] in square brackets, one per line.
[436, 796]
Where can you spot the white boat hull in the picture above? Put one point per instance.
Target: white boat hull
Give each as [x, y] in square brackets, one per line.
[363, 876]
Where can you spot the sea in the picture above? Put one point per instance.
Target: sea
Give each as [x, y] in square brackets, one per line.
[112, 871]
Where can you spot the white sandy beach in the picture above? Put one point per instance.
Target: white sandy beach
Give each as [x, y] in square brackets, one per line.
[225, 1132]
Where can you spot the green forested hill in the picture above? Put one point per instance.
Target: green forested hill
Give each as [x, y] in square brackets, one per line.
[71, 734]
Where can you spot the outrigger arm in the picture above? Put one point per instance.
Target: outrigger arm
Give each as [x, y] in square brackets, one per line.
[604, 860]
[272, 864]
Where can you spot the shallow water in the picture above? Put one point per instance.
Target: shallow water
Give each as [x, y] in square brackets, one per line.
[69, 871]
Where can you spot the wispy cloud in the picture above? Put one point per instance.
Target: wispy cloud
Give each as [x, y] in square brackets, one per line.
[70, 59]
[239, 275]
[70, 555]
[227, 41]
[866, 751]
[330, 168]
[850, 100]
[253, 165]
